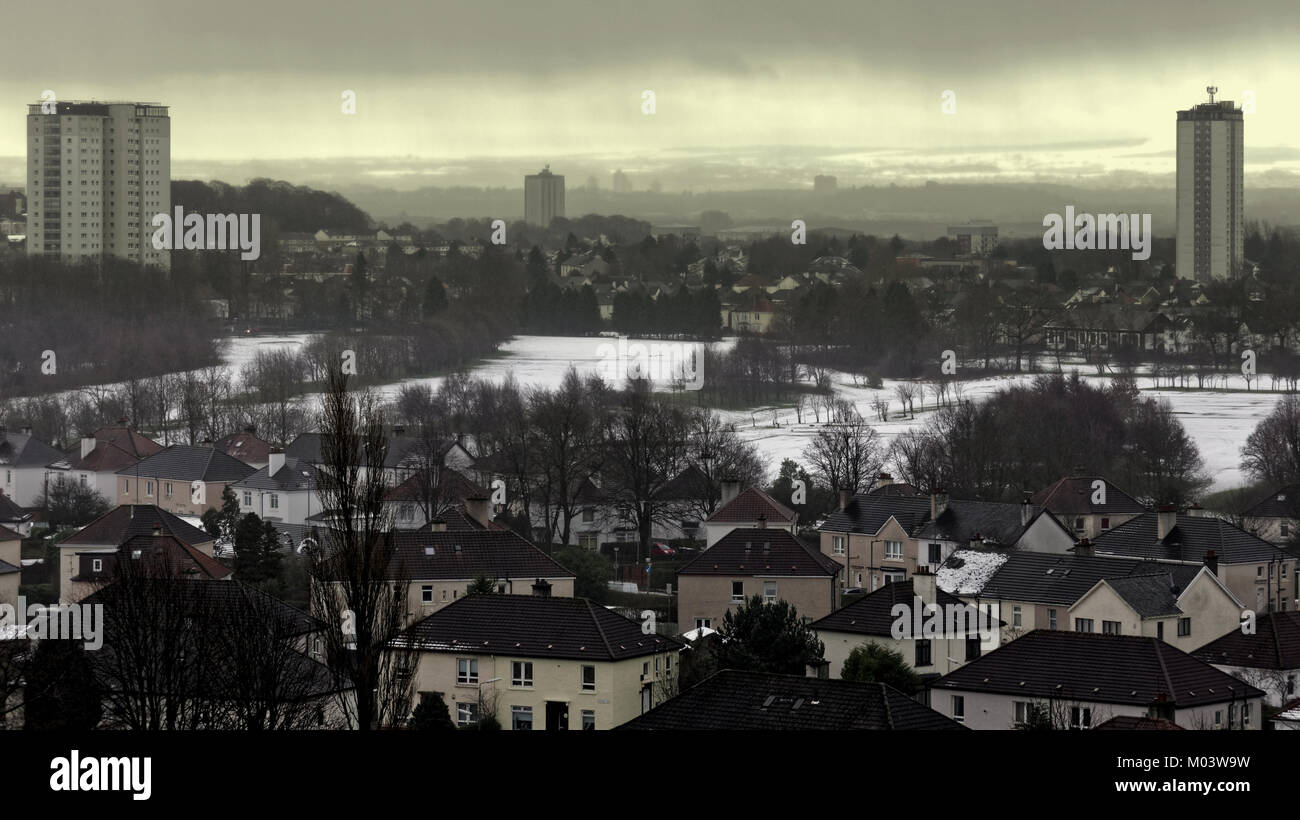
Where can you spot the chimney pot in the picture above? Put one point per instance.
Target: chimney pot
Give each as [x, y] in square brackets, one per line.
[844, 499]
[1166, 520]
[938, 503]
[1084, 548]
[1212, 561]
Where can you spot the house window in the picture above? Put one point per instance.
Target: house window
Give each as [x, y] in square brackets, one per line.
[922, 653]
[97, 565]
[167, 489]
[521, 718]
[1290, 684]
[1245, 714]
[837, 544]
[936, 554]
[407, 512]
[1110, 627]
[1017, 621]
[1021, 708]
[1218, 717]
[1105, 523]
[1078, 524]
[466, 714]
[737, 591]
[588, 678]
[894, 550]
[588, 515]
[467, 670]
[769, 592]
[588, 719]
[1184, 627]
[1083, 624]
[972, 648]
[959, 708]
[426, 594]
[1286, 529]
[1080, 717]
[126, 485]
[1051, 619]
[588, 541]
[703, 623]
[521, 673]
[275, 501]
[83, 479]
[148, 488]
[248, 499]
[1160, 630]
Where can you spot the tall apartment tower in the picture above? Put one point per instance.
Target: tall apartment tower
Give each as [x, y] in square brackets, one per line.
[97, 173]
[543, 197]
[1210, 202]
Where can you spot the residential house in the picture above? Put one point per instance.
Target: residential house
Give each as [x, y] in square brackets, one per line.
[1275, 517]
[747, 510]
[1267, 656]
[1187, 614]
[869, 534]
[23, 460]
[875, 619]
[732, 700]
[441, 565]
[1078, 680]
[284, 491]
[182, 479]
[955, 524]
[162, 556]
[1259, 574]
[1106, 327]
[1088, 505]
[772, 563]
[430, 494]
[11, 565]
[14, 517]
[247, 447]
[603, 510]
[103, 536]
[101, 455]
[406, 454]
[541, 662]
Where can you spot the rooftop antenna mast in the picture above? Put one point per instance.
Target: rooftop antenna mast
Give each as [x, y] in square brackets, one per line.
[1212, 89]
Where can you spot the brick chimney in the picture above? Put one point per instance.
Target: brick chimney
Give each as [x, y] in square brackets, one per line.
[480, 509]
[761, 522]
[845, 497]
[1084, 549]
[1161, 708]
[730, 489]
[1026, 512]
[1166, 520]
[884, 480]
[938, 503]
[924, 586]
[87, 444]
[274, 461]
[542, 588]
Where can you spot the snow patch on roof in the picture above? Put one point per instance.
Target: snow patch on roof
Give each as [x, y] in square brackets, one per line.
[967, 571]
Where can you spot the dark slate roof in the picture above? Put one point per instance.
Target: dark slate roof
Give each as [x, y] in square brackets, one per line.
[24, 450]
[732, 699]
[1120, 669]
[750, 505]
[1137, 723]
[867, 513]
[1046, 578]
[115, 448]
[991, 521]
[10, 512]
[872, 614]
[119, 524]
[896, 488]
[1072, 495]
[1190, 539]
[530, 626]
[467, 554]
[761, 552]
[184, 462]
[1151, 596]
[7, 568]
[293, 475]
[1275, 644]
[452, 485]
[1283, 502]
[171, 556]
[690, 484]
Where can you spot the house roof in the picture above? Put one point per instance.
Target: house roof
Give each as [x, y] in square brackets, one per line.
[1047, 578]
[872, 614]
[1138, 723]
[1275, 644]
[1150, 596]
[293, 475]
[750, 505]
[185, 462]
[1088, 666]
[531, 626]
[451, 485]
[115, 448]
[1072, 495]
[7, 568]
[466, 554]
[172, 556]
[732, 699]
[1190, 539]
[1283, 502]
[121, 523]
[307, 446]
[24, 450]
[761, 552]
[245, 446]
[867, 513]
[990, 521]
[10, 512]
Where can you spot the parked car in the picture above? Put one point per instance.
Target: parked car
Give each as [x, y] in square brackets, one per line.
[662, 549]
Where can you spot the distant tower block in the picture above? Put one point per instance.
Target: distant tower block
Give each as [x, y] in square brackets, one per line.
[824, 184]
[621, 183]
[1210, 209]
[543, 197]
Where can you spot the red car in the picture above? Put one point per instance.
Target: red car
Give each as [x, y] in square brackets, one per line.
[660, 548]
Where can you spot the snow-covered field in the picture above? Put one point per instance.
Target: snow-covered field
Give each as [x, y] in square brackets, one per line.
[1218, 422]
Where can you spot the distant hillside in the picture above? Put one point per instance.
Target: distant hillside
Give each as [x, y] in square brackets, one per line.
[293, 208]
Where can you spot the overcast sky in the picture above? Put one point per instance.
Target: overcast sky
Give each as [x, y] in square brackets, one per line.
[759, 91]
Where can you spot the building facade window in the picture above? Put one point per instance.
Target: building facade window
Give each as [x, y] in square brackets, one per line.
[1110, 627]
[467, 670]
[588, 678]
[922, 652]
[737, 591]
[1083, 624]
[1184, 627]
[521, 673]
[959, 708]
[769, 592]
[894, 550]
[521, 718]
